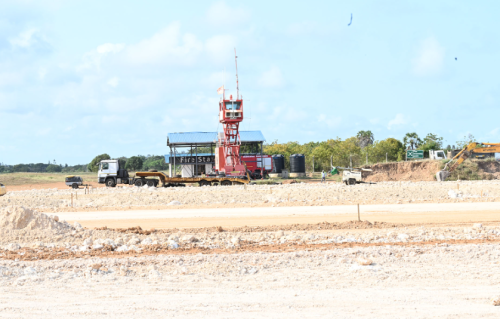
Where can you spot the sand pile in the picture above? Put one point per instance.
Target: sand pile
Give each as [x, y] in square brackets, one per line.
[21, 218]
[403, 171]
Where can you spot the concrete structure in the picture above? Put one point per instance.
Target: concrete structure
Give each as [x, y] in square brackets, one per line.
[195, 151]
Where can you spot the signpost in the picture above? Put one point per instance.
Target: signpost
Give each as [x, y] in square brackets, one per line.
[410, 154]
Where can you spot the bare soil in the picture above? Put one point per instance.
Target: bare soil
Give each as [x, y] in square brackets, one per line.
[430, 264]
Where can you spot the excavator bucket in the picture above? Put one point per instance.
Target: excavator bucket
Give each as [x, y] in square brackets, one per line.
[441, 176]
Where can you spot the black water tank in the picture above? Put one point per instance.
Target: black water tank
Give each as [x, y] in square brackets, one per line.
[297, 163]
[278, 163]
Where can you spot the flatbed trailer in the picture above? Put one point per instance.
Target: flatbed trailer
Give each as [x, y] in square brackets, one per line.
[140, 179]
[111, 174]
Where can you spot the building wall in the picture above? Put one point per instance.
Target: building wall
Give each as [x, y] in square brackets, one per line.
[188, 170]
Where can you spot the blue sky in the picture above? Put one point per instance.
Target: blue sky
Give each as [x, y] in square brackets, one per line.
[81, 78]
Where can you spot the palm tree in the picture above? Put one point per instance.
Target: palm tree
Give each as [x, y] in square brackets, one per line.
[365, 138]
[411, 141]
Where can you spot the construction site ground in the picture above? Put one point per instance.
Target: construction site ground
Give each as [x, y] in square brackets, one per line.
[423, 249]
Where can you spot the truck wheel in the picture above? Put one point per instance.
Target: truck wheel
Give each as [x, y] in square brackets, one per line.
[204, 183]
[226, 183]
[110, 182]
[352, 181]
[74, 186]
[139, 183]
[151, 183]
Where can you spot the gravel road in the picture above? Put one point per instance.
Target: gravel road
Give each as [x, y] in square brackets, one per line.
[447, 281]
[437, 255]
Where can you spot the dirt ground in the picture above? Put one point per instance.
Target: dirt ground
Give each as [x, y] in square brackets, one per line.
[422, 250]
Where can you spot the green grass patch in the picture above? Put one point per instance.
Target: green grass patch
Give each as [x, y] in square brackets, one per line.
[41, 178]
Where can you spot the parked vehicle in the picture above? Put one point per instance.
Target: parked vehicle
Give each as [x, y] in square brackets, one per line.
[73, 181]
[351, 175]
[111, 174]
[437, 155]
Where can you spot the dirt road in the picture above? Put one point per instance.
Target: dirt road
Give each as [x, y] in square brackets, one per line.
[264, 216]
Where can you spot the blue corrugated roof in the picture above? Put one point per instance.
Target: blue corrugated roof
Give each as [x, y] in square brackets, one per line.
[211, 137]
[192, 137]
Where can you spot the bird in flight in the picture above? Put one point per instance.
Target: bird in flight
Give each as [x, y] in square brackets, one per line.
[350, 21]
[456, 59]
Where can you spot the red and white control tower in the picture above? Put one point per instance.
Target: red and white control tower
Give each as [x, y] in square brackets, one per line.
[227, 155]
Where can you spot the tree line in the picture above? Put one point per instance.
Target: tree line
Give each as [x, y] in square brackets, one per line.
[134, 163]
[358, 150]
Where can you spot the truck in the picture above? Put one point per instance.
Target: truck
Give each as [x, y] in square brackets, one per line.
[437, 155]
[111, 174]
[253, 163]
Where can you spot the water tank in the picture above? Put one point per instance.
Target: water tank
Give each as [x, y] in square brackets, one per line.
[278, 163]
[297, 163]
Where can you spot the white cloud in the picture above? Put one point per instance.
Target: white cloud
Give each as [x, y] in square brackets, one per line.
[42, 72]
[110, 48]
[430, 58]
[272, 78]
[400, 119]
[221, 48]
[168, 46]
[93, 58]
[220, 14]
[24, 39]
[113, 81]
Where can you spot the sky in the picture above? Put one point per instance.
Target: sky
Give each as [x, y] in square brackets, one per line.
[82, 78]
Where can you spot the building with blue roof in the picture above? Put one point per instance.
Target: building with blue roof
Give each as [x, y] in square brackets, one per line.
[195, 151]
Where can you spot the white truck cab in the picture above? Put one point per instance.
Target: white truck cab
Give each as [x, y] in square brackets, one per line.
[109, 173]
[437, 155]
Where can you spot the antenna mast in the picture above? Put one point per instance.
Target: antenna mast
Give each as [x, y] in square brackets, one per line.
[237, 85]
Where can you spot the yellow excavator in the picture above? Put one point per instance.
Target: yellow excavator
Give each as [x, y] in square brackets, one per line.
[465, 154]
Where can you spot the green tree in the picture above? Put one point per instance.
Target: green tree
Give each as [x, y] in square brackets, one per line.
[391, 146]
[134, 163]
[155, 162]
[431, 142]
[469, 138]
[21, 168]
[52, 168]
[94, 165]
[411, 141]
[345, 151]
[365, 138]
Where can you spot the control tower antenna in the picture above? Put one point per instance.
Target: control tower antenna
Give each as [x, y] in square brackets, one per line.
[237, 85]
